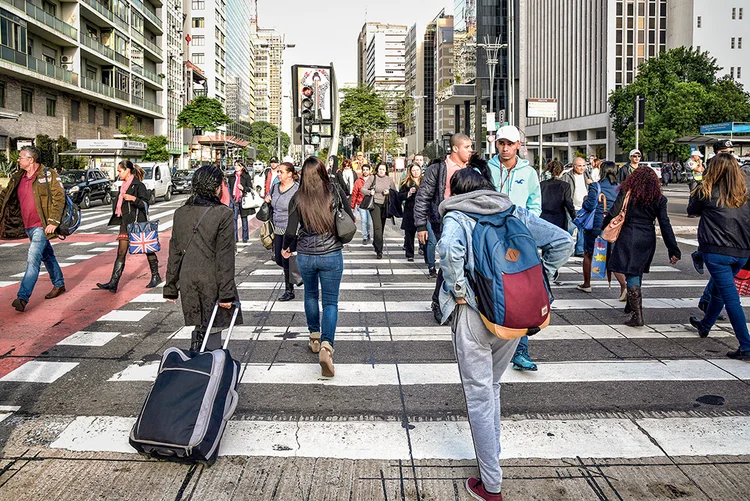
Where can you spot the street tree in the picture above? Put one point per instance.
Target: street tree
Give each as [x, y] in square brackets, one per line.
[203, 113]
[264, 137]
[362, 113]
[156, 146]
[683, 92]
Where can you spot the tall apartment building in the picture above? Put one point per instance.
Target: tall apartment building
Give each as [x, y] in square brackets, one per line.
[363, 40]
[386, 66]
[174, 65]
[414, 86]
[239, 65]
[205, 22]
[595, 50]
[428, 82]
[268, 65]
[78, 68]
[445, 119]
[716, 26]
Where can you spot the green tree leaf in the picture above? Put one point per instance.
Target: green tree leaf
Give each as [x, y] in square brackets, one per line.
[264, 137]
[203, 113]
[362, 112]
[156, 149]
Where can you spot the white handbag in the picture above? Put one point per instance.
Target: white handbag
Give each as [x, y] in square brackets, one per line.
[251, 200]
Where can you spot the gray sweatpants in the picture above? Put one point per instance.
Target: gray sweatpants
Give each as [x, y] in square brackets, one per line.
[482, 359]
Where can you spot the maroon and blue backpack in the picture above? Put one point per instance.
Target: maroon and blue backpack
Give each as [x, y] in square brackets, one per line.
[508, 281]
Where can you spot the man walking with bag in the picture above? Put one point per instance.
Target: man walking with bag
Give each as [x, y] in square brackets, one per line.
[31, 206]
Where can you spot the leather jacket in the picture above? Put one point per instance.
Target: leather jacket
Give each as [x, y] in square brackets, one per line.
[722, 230]
[430, 195]
[308, 242]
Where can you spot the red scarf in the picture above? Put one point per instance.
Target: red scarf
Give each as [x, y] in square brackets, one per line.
[123, 189]
[237, 194]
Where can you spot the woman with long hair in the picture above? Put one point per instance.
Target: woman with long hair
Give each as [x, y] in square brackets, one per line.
[408, 195]
[319, 255]
[240, 183]
[607, 190]
[279, 198]
[379, 187]
[636, 245]
[724, 241]
[128, 207]
[201, 258]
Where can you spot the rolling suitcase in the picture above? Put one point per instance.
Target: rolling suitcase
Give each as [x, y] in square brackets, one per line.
[187, 409]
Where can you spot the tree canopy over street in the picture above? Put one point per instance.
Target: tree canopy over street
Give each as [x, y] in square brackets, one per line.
[362, 113]
[203, 113]
[683, 91]
[264, 136]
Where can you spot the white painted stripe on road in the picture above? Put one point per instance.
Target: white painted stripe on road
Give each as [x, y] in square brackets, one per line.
[387, 440]
[102, 249]
[9, 408]
[82, 244]
[6, 284]
[88, 338]
[149, 298]
[383, 261]
[447, 373]
[687, 241]
[354, 272]
[347, 286]
[81, 257]
[124, 316]
[36, 371]
[13, 244]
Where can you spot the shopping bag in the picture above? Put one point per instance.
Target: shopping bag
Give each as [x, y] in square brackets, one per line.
[143, 237]
[294, 274]
[599, 260]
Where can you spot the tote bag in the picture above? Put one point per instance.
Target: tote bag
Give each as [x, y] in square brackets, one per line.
[143, 237]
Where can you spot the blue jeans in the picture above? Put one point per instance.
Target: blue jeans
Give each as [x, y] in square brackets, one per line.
[724, 294]
[40, 251]
[579, 237]
[328, 268]
[706, 296]
[366, 221]
[555, 243]
[429, 253]
[634, 280]
[237, 206]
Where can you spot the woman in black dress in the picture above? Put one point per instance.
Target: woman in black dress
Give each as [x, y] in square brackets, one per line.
[408, 195]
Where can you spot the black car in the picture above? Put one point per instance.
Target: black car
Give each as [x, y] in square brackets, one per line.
[182, 181]
[83, 186]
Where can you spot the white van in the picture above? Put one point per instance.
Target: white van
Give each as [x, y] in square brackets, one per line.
[158, 180]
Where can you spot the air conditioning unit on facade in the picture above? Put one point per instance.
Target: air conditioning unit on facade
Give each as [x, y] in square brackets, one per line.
[66, 59]
[67, 66]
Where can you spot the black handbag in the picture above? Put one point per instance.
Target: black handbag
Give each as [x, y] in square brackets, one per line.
[345, 227]
[368, 201]
[265, 212]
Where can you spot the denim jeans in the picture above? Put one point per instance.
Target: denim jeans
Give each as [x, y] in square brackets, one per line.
[706, 296]
[237, 213]
[429, 254]
[724, 294]
[555, 243]
[634, 280]
[40, 251]
[366, 222]
[578, 238]
[327, 268]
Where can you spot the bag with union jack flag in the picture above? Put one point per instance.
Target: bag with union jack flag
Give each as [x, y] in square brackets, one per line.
[143, 237]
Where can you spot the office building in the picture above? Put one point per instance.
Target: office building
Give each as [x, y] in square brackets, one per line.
[239, 65]
[268, 46]
[206, 24]
[414, 69]
[175, 64]
[386, 66]
[363, 40]
[444, 116]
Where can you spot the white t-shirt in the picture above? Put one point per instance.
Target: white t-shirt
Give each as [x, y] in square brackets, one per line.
[580, 192]
[349, 179]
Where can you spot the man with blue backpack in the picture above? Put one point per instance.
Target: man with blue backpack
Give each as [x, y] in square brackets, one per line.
[496, 291]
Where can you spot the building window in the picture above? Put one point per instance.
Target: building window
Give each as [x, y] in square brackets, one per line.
[118, 120]
[2, 94]
[700, 22]
[199, 58]
[3, 143]
[739, 72]
[92, 114]
[27, 100]
[731, 72]
[740, 16]
[739, 43]
[105, 117]
[199, 4]
[51, 106]
[734, 13]
[140, 124]
[199, 22]
[75, 107]
[732, 44]
[198, 41]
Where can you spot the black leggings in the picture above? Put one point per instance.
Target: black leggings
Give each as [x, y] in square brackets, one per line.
[378, 214]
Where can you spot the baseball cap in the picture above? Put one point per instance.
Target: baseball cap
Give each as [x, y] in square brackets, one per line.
[273, 160]
[696, 153]
[723, 144]
[634, 151]
[509, 132]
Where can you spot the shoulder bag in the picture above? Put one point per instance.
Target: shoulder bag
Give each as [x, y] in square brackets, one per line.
[143, 237]
[612, 231]
[345, 227]
[251, 199]
[71, 215]
[585, 219]
[368, 201]
[266, 210]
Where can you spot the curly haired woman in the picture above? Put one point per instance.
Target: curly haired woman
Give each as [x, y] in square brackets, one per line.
[636, 244]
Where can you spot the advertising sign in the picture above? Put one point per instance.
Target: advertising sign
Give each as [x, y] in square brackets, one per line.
[313, 83]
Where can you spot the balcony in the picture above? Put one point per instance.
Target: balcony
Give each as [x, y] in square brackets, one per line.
[105, 51]
[147, 104]
[148, 14]
[150, 75]
[40, 15]
[104, 11]
[37, 65]
[148, 44]
[98, 87]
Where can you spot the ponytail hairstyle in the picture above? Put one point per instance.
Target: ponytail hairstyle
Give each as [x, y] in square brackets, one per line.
[134, 169]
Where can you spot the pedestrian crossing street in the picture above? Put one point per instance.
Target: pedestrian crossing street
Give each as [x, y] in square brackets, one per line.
[603, 390]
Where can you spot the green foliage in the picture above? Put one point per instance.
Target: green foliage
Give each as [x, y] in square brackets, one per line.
[156, 149]
[66, 162]
[362, 112]
[433, 149]
[405, 110]
[128, 129]
[203, 113]
[264, 137]
[7, 166]
[48, 147]
[682, 93]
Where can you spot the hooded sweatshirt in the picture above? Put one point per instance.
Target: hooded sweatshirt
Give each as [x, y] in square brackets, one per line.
[521, 183]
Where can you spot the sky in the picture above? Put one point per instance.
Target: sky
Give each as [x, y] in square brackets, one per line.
[326, 31]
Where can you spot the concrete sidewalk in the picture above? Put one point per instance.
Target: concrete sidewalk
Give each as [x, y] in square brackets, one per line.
[29, 469]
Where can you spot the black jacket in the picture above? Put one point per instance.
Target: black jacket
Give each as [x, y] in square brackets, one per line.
[308, 242]
[557, 201]
[623, 173]
[722, 230]
[342, 181]
[247, 183]
[407, 221]
[130, 209]
[431, 193]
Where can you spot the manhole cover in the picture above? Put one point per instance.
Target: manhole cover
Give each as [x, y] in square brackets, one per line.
[711, 400]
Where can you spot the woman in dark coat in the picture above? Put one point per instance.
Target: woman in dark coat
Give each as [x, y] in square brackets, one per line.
[237, 190]
[557, 200]
[408, 195]
[636, 244]
[201, 258]
[128, 206]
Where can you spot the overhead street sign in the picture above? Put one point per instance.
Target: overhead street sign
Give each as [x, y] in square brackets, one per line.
[541, 108]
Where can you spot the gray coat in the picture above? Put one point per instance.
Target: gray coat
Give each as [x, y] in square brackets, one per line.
[207, 271]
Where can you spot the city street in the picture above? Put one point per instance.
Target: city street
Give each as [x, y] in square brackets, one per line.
[612, 413]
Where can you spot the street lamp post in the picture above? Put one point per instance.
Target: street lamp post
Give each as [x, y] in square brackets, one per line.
[490, 51]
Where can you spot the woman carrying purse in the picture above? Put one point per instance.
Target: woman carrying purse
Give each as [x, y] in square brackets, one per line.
[240, 183]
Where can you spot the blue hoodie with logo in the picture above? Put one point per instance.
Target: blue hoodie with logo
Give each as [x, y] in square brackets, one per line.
[521, 183]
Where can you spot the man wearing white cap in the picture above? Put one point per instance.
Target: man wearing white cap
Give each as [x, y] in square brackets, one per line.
[694, 167]
[513, 175]
[635, 158]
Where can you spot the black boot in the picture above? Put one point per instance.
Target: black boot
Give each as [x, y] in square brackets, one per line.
[289, 293]
[635, 299]
[115, 278]
[155, 277]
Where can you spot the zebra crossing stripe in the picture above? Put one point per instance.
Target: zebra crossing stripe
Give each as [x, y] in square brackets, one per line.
[88, 338]
[430, 285]
[449, 440]
[37, 371]
[447, 373]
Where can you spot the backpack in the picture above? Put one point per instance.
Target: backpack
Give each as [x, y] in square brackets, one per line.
[71, 215]
[511, 292]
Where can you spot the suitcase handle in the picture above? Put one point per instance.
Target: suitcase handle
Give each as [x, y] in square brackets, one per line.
[233, 406]
[236, 305]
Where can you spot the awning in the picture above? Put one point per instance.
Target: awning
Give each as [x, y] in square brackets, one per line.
[699, 140]
[219, 141]
[99, 152]
[10, 116]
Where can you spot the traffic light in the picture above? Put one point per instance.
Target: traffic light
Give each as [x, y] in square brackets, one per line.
[640, 103]
[306, 103]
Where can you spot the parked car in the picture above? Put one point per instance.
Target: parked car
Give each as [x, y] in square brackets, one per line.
[83, 186]
[656, 166]
[158, 180]
[182, 181]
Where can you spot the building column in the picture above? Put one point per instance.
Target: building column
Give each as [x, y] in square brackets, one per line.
[457, 120]
[467, 118]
